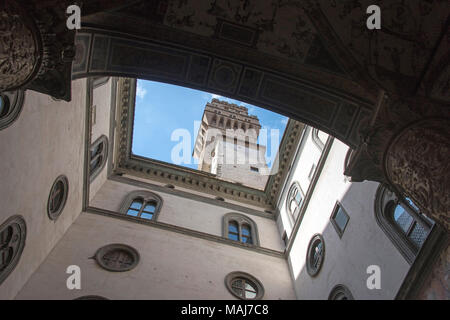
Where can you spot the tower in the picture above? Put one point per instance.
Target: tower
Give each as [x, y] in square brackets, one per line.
[227, 145]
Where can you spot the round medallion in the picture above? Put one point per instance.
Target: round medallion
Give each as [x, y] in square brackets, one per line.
[12, 241]
[117, 257]
[315, 255]
[244, 286]
[57, 198]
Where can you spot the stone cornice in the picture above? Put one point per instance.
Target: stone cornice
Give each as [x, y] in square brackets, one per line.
[185, 231]
[127, 163]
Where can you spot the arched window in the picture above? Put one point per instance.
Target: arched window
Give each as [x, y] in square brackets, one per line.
[142, 204]
[98, 156]
[244, 286]
[238, 227]
[11, 103]
[294, 200]
[402, 222]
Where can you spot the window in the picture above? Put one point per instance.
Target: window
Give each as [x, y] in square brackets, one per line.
[141, 204]
[339, 219]
[402, 221]
[311, 172]
[316, 140]
[294, 200]
[238, 227]
[11, 103]
[244, 286]
[254, 169]
[315, 255]
[340, 292]
[117, 257]
[57, 198]
[98, 156]
[12, 241]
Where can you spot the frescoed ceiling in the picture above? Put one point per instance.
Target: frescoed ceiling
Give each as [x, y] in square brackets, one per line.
[395, 57]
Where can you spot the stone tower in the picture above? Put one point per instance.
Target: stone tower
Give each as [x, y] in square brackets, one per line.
[227, 145]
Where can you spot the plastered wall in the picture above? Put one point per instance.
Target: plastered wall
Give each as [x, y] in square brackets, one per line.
[47, 140]
[172, 265]
[363, 243]
[187, 213]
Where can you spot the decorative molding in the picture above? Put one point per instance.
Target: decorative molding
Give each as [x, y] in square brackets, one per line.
[185, 231]
[21, 50]
[117, 257]
[192, 196]
[259, 288]
[39, 49]
[416, 163]
[286, 153]
[108, 53]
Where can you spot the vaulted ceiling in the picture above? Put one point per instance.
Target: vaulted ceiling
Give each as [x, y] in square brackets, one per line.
[324, 41]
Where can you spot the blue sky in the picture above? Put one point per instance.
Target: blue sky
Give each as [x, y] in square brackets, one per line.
[163, 108]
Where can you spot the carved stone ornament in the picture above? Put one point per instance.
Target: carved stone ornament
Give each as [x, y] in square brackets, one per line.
[20, 47]
[117, 257]
[417, 164]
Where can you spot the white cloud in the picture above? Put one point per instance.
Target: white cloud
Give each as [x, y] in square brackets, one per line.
[140, 91]
[284, 121]
[216, 96]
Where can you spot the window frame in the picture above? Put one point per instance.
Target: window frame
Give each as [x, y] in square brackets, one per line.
[333, 218]
[340, 289]
[384, 206]
[13, 104]
[53, 215]
[103, 154]
[288, 201]
[146, 197]
[314, 271]
[316, 139]
[233, 276]
[240, 220]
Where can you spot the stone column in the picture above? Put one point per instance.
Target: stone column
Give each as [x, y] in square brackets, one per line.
[20, 47]
[417, 163]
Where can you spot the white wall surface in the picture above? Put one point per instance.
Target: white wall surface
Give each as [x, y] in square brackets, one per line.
[172, 265]
[102, 100]
[47, 140]
[187, 213]
[362, 244]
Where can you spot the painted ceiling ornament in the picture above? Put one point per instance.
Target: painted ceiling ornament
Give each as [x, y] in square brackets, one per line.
[20, 47]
